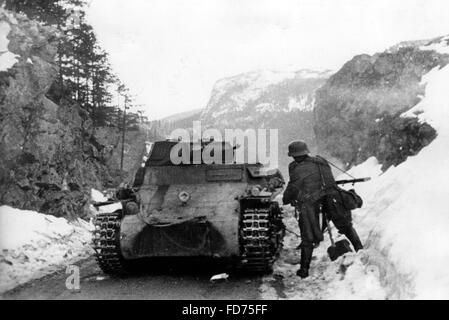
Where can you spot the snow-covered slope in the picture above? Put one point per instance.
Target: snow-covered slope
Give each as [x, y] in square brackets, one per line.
[406, 212]
[34, 244]
[260, 92]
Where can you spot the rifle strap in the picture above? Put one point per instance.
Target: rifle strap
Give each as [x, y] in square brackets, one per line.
[338, 168]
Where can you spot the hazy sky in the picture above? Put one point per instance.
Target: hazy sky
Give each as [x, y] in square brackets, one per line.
[171, 52]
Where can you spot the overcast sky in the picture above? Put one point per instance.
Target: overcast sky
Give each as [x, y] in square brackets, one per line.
[170, 53]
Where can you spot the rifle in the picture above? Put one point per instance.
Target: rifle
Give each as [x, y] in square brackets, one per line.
[353, 181]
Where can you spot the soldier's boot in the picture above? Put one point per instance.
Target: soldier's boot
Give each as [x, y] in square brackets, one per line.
[353, 237]
[306, 258]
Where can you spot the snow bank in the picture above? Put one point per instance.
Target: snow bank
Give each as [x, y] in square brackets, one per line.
[405, 217]
[7, 58]
[97, 196]
[33, 244]
[440, 47]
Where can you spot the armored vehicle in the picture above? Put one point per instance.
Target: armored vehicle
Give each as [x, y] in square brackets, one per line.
[219, 210]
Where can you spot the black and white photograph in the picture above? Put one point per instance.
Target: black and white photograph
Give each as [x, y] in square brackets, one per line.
[224, 150]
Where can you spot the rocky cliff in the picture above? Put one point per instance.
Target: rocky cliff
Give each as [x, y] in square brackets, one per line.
[49, 156]
[358, 110]
[135, 149]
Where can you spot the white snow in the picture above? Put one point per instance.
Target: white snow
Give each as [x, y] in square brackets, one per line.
[303, 102]
[244, 88]
[219, 277]
[312, 74]
[7, 58]
[97, 196]
[110, 207]
[440, 47]
[221, 112]
[434, 107]
[266, 108]
[254, 80]
[370, 168]
[34, 244]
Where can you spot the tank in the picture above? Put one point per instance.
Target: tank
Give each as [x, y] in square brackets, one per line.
[220, 210]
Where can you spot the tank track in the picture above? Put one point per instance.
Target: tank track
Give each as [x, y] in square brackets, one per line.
[106, 243]
[261, 239]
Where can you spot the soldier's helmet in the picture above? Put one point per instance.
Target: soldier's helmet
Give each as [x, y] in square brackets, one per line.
[297, 149]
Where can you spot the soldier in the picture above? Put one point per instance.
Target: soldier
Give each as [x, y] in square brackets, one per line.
[312, 189]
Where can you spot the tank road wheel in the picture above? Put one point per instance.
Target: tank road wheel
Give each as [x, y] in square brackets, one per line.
[261, 235]
[106, 243]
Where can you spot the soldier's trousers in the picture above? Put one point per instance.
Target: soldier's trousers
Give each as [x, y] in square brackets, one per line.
[334, 209]
[311, 232]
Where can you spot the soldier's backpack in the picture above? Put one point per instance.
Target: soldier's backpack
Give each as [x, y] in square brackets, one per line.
[350, 199]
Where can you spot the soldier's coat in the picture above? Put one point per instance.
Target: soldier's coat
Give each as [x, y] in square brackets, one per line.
[310, 180]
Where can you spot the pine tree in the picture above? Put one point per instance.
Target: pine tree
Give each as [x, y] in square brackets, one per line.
[85, 74]
[48, 11]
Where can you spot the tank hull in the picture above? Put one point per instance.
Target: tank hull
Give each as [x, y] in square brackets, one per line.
[206, 226]
[195, 237]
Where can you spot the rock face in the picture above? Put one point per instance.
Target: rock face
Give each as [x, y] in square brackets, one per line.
[48, 160]
[134, 151]
[267, 100]
[358, 110]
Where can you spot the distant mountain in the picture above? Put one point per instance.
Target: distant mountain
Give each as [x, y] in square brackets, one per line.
[259, 99]
[267, 99]
[182, 116]
[254, 97]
